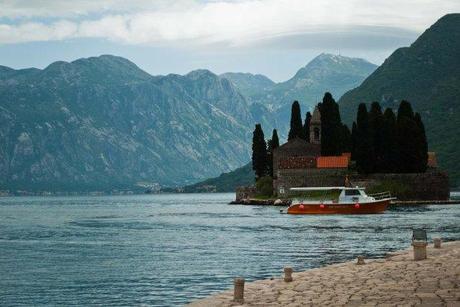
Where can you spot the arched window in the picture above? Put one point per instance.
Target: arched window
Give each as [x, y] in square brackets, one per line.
[316, 133]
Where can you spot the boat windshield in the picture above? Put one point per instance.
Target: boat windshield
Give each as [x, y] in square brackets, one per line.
[352, 193]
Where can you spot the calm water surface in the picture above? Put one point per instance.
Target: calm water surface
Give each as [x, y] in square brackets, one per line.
[166, 250]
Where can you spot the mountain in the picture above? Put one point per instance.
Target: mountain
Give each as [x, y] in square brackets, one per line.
[226, 182]
[326, 72]
[103, 123]
[428, 75]
[249, 84]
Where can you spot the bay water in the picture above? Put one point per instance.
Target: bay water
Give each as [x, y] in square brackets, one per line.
[167, 250]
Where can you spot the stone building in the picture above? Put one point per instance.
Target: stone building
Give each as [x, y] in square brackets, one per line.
[315, 127]
[299, 163]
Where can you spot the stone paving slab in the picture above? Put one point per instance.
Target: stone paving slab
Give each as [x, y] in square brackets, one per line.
[397, 280]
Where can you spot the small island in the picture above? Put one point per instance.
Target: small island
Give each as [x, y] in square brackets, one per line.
[384, 151]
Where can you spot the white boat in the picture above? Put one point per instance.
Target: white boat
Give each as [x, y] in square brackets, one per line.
[350, 201]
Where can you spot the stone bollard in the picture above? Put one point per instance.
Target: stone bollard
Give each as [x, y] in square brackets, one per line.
[287, 274]
[419, 250]
[238, 291]
[437, 242]
[360, 260]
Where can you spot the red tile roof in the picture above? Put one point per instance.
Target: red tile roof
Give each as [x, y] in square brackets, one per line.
[332, 162]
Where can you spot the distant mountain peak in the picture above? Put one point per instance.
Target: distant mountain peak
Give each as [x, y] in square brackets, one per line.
[200, 73]
[327, 58]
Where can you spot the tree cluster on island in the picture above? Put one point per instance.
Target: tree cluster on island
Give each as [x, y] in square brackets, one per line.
[379, 142]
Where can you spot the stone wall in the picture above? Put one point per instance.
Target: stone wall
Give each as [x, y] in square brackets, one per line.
[432, 185]
[312, 177]
[245, 193]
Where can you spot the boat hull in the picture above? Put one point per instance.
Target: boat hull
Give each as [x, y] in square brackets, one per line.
[357, 208]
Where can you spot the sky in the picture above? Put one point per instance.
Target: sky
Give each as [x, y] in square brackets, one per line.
[271, 37]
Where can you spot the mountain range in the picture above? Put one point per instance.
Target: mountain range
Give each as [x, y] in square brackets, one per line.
[102, 123]
[427, 74]
[325, 73]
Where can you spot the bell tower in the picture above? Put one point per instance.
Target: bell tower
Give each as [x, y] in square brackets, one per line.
[315, 127]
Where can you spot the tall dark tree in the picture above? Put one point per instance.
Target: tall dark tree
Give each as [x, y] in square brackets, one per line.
[275, 139]
[259, 152]
[272, 144]
[390, 152]
[376, 129]
[364, 151]
[405, 110]
[407, 131]
[422, 144]
[354, 140]
[306, 127]
[346, 141]
[331, 127]
[296, 122]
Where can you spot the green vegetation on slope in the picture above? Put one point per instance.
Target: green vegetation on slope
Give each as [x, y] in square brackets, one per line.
[226, 182]
[427, 74]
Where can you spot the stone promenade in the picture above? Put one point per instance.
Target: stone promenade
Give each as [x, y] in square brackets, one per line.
[397, 280]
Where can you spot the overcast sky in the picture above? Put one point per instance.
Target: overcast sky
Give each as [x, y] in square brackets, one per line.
[272, 37]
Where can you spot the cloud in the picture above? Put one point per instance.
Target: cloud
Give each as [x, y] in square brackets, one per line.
[227, 23]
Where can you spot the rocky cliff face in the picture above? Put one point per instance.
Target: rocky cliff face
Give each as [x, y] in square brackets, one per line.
[325, 73]
[102, 123]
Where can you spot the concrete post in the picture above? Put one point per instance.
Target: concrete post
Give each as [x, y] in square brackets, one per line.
[437, 242]
[419, 250]
[238, 291]
[287, 274]
[360, 260]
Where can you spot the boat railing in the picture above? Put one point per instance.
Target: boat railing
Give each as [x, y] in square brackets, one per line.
[381, 195]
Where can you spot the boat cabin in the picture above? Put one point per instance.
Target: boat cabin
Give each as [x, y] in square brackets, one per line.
[354, 195]
[347, 195]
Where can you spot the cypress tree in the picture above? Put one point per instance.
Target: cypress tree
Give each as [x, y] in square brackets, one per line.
[272, 144]
[412, 144]
[275, 139]
[270, 158]
[405, 110]
[407, 131]
[331, 127]
[376, 128]
[422, 145]
[346, 142]
[296, 122]
[364, 152]
[389, 142]
[306, 127]
[259, 152]
[354, 137]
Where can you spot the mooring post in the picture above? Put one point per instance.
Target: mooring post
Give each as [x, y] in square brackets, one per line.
[287, 274]
[360, 260]
[238, 290]
[437, 242]
[419, 250]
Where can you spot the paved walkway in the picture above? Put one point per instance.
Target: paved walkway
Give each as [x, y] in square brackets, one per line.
[394, 281]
